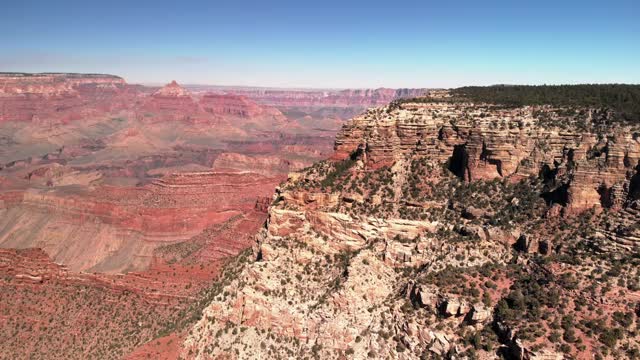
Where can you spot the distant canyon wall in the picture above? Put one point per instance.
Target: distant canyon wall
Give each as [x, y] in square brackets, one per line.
[319, 97]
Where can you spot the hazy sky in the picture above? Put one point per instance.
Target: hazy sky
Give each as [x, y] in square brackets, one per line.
[327, 43]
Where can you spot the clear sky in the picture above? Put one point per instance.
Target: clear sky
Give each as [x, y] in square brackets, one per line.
[327, 43]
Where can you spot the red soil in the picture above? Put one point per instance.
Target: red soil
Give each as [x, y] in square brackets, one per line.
[164, 348]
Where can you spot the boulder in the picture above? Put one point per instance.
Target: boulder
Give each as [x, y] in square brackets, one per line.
[479, 313]
[452, 306]
[471, 212]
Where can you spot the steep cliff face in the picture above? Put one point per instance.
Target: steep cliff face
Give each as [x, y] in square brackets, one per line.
[587, 168]
[362, 98]
[443, 230]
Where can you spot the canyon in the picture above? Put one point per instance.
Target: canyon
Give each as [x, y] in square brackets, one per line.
[205, 222]
[136, 196]
[268, 180]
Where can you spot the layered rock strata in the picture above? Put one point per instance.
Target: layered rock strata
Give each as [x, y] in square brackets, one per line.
[409, 244]
[114, 229]
[484, 142]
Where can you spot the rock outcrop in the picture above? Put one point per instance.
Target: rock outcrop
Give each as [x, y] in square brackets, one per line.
[586, 169]
[406, 244]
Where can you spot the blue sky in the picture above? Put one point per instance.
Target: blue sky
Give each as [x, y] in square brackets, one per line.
[328, 43]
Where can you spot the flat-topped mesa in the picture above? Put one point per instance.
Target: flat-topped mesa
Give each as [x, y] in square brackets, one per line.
[481, 141]
[57, 97]
[51, 84]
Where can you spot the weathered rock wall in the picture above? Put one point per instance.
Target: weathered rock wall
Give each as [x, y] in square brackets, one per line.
[481, 142]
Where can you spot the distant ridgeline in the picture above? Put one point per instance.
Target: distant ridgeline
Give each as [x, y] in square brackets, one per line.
[57, 74]
[623, 99]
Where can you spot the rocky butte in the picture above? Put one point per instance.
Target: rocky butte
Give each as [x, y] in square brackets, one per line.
[472, 223]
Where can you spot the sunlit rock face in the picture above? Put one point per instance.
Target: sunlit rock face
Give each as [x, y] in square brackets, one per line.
[429, 226]
[481, 142]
